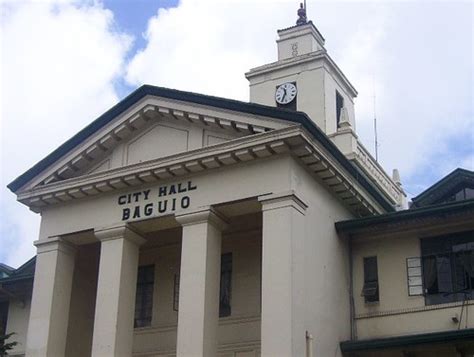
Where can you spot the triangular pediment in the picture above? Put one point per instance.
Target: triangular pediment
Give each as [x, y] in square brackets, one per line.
[157, 123]
[157, 133]
[457, 186]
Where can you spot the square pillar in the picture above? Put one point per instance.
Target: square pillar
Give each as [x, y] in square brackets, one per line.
[283, 234]
[49, 316]
[198, 313]
[116, 289]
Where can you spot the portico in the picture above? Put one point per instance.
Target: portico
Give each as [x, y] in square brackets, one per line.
[199, 237]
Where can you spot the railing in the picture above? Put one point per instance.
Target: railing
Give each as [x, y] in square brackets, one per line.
[365, 160]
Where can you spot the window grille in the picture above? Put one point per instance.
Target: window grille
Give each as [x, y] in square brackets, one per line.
[448, 268]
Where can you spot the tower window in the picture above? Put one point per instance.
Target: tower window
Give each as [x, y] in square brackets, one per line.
[339, 106]
[370, 291]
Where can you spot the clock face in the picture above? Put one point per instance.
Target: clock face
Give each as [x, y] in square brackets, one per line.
[285, 93]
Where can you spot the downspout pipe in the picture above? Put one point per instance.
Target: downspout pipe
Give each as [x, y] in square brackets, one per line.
[351, 292]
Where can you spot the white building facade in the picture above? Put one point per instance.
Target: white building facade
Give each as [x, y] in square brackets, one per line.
[183, 224]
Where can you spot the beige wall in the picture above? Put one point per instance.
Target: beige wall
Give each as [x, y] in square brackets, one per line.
[397, 313]
[326, 273]
[162, 138]
[238, 332]
[321, 286]
[316, 84]
[18, 315]
[214, 187]
[83, 298]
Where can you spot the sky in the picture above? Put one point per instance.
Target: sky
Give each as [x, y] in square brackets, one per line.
[65, 62]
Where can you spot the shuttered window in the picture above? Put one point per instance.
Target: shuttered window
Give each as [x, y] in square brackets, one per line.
[370, 290]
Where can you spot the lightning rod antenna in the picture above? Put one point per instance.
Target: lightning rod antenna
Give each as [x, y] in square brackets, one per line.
[375, 126]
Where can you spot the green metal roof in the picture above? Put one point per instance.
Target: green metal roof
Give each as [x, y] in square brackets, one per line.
[410, 214]
[410, 340]
[459, 177]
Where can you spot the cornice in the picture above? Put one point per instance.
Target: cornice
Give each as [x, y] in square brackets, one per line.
[293, 140]
[294, 61]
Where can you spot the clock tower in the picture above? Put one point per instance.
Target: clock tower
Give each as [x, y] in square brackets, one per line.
[305, 78]
[322, 90]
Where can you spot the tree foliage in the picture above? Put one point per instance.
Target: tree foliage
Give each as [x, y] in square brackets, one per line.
[6, 346]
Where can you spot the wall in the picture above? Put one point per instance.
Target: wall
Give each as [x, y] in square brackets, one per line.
[18, 316]
[316, 83]
[215, 186]
[83, 297]
[309, 78]
[326, 268]
[324, 280]
[397, 313]
[161, 138]
[239, 332]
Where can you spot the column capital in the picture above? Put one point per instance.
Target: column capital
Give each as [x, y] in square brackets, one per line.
[202, 215]
[54, 243]
[117, 232]
[282, 199]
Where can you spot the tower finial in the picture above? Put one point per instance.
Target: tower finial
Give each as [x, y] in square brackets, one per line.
[302, 19]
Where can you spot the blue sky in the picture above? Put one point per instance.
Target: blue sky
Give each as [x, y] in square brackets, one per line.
[84, 56]
[131, 16]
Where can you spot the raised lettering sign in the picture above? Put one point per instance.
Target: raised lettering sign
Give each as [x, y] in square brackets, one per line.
[149, 202]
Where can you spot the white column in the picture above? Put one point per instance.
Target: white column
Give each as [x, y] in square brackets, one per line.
[49, 316]
[283, 332]
[199, 283]
[116, 289]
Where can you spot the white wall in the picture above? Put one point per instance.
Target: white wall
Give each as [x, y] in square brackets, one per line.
[397, 313]
[18, 316]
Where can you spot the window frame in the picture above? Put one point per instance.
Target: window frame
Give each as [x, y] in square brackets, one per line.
[449, 240]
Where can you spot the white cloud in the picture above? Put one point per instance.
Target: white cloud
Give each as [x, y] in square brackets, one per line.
[418, 57]
[59, 63]
[60, 59]
[197, 47]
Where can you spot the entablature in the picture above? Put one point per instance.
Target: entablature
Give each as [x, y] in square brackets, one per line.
[293, 140]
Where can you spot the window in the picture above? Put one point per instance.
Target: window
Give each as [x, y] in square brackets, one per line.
[370, 290]
[144, 297]
[339, 106]
[448, 268]
[465, 193]
[415, 277]
[225, 292]
[226, 285]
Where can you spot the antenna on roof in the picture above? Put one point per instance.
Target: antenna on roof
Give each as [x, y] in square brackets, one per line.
[375, 127]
